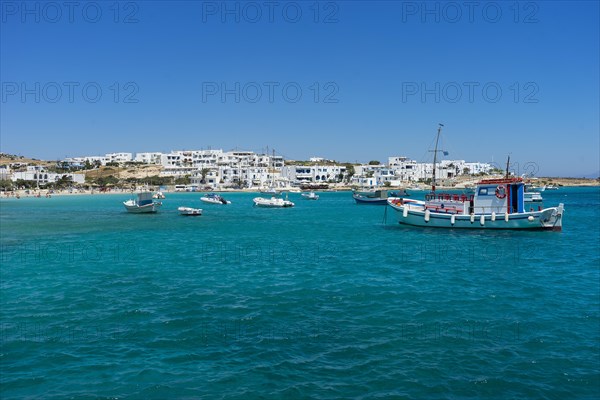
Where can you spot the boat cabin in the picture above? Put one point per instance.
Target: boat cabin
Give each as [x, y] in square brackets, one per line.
[500, 196]
[506, 195]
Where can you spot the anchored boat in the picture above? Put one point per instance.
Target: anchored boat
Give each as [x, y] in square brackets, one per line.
[273, 202]
[143, 204]
[213, 198]
[310, 196]
[377, 197]
[189, 211]
[496, 204]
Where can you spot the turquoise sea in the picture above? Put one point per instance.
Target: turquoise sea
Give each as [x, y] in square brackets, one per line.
[324, 301]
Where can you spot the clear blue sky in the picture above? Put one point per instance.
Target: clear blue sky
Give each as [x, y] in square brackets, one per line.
[376, 78]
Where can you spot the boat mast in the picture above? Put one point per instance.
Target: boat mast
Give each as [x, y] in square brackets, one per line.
[435, 156]
[507, 164]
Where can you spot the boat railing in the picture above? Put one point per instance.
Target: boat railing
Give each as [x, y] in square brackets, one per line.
[448, 196]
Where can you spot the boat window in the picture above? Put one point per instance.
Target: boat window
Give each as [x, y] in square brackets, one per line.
[483, 191]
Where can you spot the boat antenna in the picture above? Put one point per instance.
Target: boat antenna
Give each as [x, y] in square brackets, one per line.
[435, 155]
[507, 164]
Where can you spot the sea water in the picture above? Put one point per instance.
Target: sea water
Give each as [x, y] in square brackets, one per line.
[325, 300]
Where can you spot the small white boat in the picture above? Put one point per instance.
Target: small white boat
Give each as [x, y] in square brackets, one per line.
[532, 197]
[158, 195]
[310, 196]
[269, 191]
[532, 188]
[189, 211]
[213, 198]
[551, 187]
[143, 204]
[273, 202]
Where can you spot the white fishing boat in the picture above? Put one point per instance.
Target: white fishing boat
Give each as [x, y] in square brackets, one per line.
[310, 196]
[190, 211]
[273, 202]
[213, 198]
[496, 204]
[142, 204]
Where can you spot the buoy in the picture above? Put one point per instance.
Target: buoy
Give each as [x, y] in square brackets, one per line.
[482, 220]
[427, 212]
[493, 215]
[452, 219]
[472, 218]
[506, 217]
[530, 218]
[405, 212]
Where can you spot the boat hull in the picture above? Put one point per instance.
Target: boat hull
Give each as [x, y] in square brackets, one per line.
[214, 201]
[547, 219]
[145, 209]
[272, 203]
[189, 211]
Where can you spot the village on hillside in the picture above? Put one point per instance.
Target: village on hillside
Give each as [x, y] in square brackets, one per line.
[237, 170]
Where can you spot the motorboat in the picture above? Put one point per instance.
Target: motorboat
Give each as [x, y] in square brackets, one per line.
[310, 196]
[213, 198]
[142, 204]
[190, 211]
[273, 202]
[377, 197]
[158, 195]
[270, 191]
[532, 197]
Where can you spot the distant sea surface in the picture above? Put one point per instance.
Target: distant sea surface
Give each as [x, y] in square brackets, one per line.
[324, 300]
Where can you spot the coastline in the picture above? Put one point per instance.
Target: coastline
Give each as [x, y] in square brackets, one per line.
[46, 193]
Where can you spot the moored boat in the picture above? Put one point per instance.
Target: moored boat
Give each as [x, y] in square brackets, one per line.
[269, 191]
[189, 211]
[496, 204]
[532, 197]
[377, 197]
[142, 204]
[310, 196]
[213, 198]
[273, 202]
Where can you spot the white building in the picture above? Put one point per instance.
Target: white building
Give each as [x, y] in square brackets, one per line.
[119, 157]
[148, 158]
[313, 173]
[40, 175]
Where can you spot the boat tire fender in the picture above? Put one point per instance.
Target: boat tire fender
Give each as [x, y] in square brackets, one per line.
[501, 191]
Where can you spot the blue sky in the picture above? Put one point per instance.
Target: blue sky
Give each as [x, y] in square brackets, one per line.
[347, 80]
